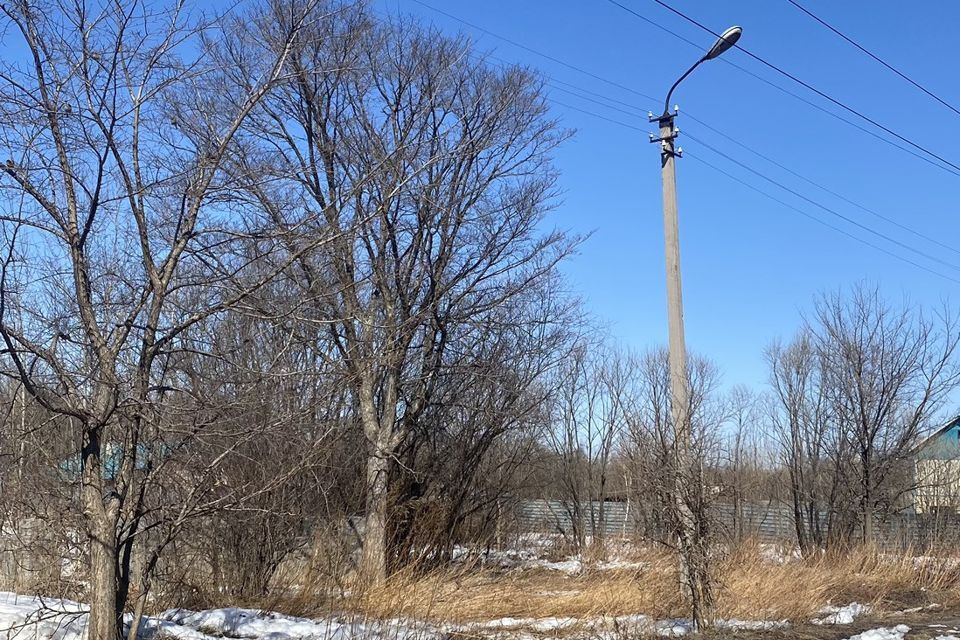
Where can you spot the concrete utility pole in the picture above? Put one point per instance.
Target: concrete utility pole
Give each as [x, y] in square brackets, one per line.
[679, 381]
[693, 578]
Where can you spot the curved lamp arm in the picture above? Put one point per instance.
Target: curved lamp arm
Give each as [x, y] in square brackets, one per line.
[666, 103]
[726, 40]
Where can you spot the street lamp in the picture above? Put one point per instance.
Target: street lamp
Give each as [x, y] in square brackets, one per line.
[726, 40]
[689, 542]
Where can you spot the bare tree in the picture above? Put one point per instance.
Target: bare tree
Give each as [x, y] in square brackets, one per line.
[807, 437]
[887, 371]
[432, 169]
[651, 443]
[118, 239]
[742, 473]
[574, 439]
[594, 393]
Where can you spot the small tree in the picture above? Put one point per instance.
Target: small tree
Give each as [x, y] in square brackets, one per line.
[432, 171]
[651, 445]
[807, 437]
[119, 242]
[887, 372]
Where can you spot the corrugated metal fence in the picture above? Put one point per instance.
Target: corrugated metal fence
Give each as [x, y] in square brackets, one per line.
[768, 522]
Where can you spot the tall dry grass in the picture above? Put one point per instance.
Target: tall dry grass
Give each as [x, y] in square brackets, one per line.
[749, 586]
[477, 595]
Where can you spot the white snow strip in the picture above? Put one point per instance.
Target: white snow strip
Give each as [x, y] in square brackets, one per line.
[779, 554]
[31, 618]
[536, 624]
[28, 618]
[751, 625]
[841, 615]
[883, 633]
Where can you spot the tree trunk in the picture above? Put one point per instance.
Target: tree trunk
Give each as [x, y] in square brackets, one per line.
[867, 517]
[799, 521]
[104, 615]
[101, 514]
[867, 506]
[373, 565]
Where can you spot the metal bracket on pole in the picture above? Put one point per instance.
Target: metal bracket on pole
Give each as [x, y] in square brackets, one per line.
[668, 132]
[666, 117]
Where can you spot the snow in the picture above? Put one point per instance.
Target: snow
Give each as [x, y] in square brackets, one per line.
[842, 615]
[28, 618]
[641, 624]
[536, 624]
[778, 553]
[531, 558]
[751, 625]
[883, 633]
[233, 622]
[33, 618]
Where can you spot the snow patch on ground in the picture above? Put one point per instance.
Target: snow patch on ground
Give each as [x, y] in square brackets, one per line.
[540, 551]
[752, 625]
[842, 615]
[535, 624]
[33, 618]
[779, 554]
[531, 559]
[28, 617]
[883, 633]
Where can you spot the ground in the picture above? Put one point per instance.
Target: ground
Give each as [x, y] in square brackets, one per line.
[537, 590]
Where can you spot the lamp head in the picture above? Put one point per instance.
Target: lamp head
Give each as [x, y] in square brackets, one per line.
[726, 40]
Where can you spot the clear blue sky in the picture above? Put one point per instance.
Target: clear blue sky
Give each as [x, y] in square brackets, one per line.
[751, 267]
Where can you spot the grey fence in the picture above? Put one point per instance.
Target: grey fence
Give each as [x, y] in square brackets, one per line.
[767, 522]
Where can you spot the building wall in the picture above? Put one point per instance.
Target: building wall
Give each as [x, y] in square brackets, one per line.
[937, 485]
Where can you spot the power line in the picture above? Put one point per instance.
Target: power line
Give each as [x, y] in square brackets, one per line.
[601, 98]
[809, 200]
[818, 220]
[636, 112]
[623, 87]
[874, 56]
[530, 49]
[761, 155]
[633, 111]
[812, 88]
[597, 115]
[824, 207]
[833, 193]
[793, 95]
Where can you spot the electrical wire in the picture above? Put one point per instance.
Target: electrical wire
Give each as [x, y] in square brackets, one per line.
[597, 115]
[529, 49]
[604, 101]
[809, 87]
[819, 205]
[818, 220]
[874, 56]
[833, 193]
[787, 92]
[699, 47]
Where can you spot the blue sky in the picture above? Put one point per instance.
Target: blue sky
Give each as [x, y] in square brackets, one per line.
[751, 266]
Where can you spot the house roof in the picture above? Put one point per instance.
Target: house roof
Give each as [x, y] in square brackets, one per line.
[934, 438]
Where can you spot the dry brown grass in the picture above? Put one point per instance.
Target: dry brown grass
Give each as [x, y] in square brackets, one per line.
[474, 595]
[748, 587]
